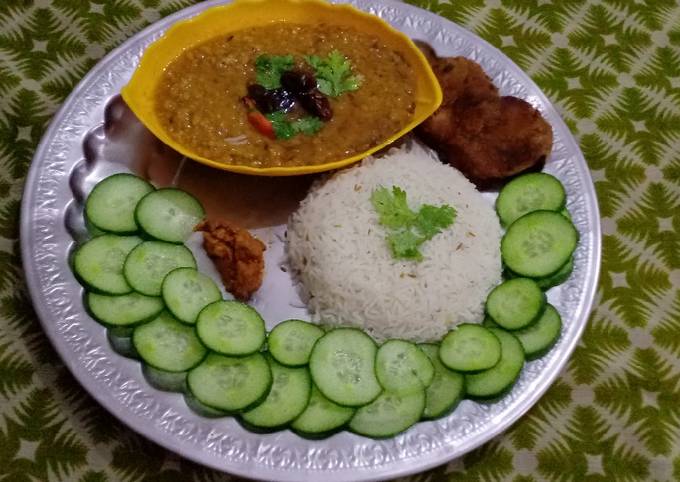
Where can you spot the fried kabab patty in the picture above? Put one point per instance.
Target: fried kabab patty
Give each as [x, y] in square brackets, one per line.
[484, 135]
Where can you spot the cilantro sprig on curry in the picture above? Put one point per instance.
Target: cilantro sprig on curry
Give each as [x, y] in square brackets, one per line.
[291, 98]
[286, 94]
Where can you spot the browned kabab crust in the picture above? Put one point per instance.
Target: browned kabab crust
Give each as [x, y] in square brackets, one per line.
[463, 80]
[238, 256]
[484, 135]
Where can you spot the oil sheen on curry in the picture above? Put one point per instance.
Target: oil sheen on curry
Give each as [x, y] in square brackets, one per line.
[286, 95]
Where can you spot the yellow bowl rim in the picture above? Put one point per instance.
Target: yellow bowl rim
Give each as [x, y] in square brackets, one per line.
[303, 169]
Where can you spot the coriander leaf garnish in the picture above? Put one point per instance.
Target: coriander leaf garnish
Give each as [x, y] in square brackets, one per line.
[404, 245]
[409, 229]
[287, 129]
[282, 127]
[308, 125]
[432, 220]
[268, 69]
[334, 74]
[392, 207]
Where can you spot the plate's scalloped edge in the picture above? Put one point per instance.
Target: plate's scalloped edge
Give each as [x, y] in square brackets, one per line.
[225, 446]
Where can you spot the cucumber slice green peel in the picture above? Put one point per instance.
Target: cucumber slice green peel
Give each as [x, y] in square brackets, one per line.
[321, 416]
[111, 204]
[169, 214]
[515, 303]
[123, 310]
[447, 388]
[93, 230]
[538, 244]
[497, 380]
[557, 278]
[167, 344]
[231, 328]
[389, 414]
[528, 193]
[99, 263]
[149, 263]
[542, 334]
[342, 365]
[547, 282]
[201, 408]
[230, 384]
[287, 398]
[187, 291]
[470, 348]
[402, 367]
[291, 341]
[122, 343]
[164, 380]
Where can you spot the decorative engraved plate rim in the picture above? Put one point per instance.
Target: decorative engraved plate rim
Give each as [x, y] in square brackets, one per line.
[118, 385]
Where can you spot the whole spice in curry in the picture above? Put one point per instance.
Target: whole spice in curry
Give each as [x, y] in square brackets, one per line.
[282, 87]
[314, 94]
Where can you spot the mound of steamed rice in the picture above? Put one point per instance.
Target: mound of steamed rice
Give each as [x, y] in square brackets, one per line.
[338, 252]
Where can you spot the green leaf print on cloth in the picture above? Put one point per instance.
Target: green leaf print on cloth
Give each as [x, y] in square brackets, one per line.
[612, 69]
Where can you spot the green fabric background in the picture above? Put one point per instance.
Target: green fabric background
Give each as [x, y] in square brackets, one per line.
[612, 68]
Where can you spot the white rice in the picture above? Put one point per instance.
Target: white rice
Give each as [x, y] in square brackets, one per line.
[338, 252]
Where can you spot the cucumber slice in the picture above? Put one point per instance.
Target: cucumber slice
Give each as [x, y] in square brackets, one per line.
[150, 262]
[489, 323]
[508, 274]
[99, 263]
[342, 365]
[201, 408]
[389, 414]
[547, 282]
[538, 337]
[470, 348]
[169, 214]
[538, 244]
[502, 376]
[123, 310]
[167, 344]
[164, 380]
[527, 193]
[93, 230]
[559, 277]
[187, 291]
[447, 387]
[402, 367]
[291, 341]
[286, 400]
[122, 343]
[121, 331]
[230, 383]
[321, 416]
[515, 303]
[111, 204]
[231, 328]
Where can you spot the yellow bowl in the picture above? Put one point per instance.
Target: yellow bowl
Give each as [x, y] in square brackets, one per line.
[139, 93]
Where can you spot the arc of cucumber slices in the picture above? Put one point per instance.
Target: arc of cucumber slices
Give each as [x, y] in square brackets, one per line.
[143, 285]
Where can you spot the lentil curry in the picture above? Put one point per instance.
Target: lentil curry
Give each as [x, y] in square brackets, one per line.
[206, 98]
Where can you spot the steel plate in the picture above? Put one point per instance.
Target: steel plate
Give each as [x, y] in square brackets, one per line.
[94, 134]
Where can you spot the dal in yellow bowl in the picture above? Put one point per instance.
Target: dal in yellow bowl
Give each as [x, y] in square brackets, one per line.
[194, 87]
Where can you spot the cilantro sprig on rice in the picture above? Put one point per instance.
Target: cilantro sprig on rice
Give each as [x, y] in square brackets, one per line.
[409, 229]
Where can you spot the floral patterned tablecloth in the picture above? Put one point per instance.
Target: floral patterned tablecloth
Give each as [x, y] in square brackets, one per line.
[612, 68]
